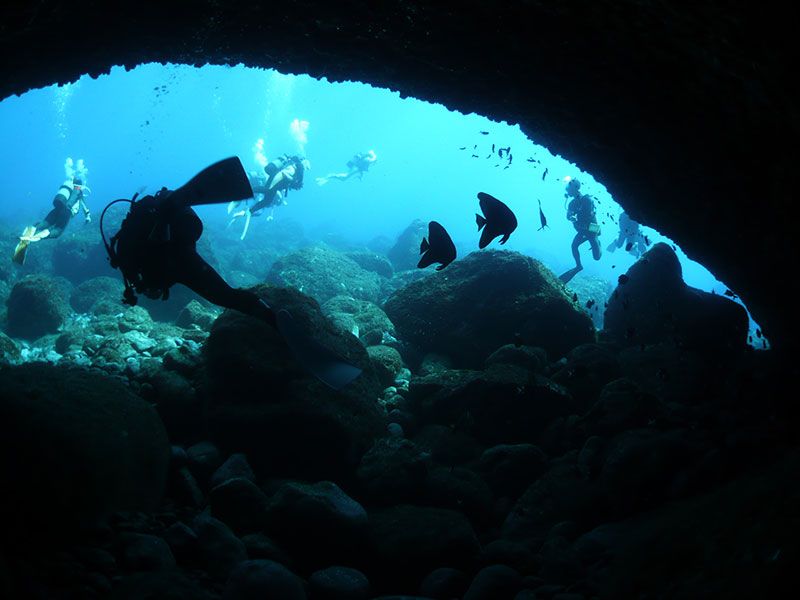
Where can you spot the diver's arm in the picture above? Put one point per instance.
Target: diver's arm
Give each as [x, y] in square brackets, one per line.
[87, 215]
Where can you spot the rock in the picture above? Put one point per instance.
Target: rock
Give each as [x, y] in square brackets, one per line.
[235, 466]
[9, 351]
[89, 295]
[184, 360]
[219, 550]
[204, 459]
[386, 361]
[240, 504]
[37, 306]
[338, 583]
[142, 552]
[393, 470]
[561, 494]
[496, 581]
[590, 458]
[363, 319]
[197, 315]
[559, 563]
[510, 468]
[587, 369]
[444, 583]
[530, 358]
[261, 579]
[482, 402]
[404, 254]
[182, 541]
[181, 409]
[135, 318]
[487, 300]
[321, 512]
[655, 305]
[460, 489]
[513, 554]
[421, 539]
[324, 273]
[622, 405]
[164, 585]
[446, 445]
[370, 261]
[264, 405]
[260, 546]
[184, 490]
[76, 445]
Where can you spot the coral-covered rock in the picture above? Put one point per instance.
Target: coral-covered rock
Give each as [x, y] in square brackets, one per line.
[363, 319]
[386, 361]
[324, 273]
[485, 301]
[37, 306]
[370, 261]
[404, 254]
[87, 295]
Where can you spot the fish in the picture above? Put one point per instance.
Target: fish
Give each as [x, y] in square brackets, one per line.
[531, 160]
[758, 332]
[623, 279]
[497, 220]
[475, 156]
[542, 218]
[590, 303]
[574, 297]
[730, 294]
[500, 152]
[510, 158]
[484, 133]
[492, 148]
[438, 247]
[647, 240]
[546, 171]
[463, 148]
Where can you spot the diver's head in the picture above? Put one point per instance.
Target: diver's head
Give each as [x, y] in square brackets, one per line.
[77, 181]
[573, 187]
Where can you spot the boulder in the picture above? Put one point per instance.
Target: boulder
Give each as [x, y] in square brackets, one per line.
[495, 581]
[404, 254]
[587, 369]
[88, 295]
[240, 504]
[393, 470]
[338, 583]
[370, 261]
[219, 551]
[387, 363]
[76, 446]
[652, 304]
[363, 319]
[510, 468]
[195, 314]
[37, 306]
[323, 273]
[528, 357]
[261, 579]
[484, 301]
[263, 404]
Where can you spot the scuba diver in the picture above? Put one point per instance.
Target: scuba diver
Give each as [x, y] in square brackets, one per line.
[155, 248]
[581, 212]
[630, 235]
[358, 165]
[69, 199]
[282, 174]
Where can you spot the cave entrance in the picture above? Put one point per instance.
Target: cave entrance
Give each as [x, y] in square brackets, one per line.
[158, 124]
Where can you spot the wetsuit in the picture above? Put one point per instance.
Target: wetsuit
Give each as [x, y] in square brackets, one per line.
[289, 177]
[65, 204]
[581, 212]
[157, 249]
[629, 233]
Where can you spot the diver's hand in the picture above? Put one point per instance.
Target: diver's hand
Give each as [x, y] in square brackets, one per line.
[87, 219]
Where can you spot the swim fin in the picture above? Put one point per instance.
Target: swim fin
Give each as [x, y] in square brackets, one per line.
[224, 181]
[567, 276]
[22, 247]
[321, 362]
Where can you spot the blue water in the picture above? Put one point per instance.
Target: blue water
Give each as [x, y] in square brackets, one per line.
[158, 125]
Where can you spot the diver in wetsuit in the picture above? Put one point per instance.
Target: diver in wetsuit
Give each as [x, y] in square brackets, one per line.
[581, 212]
[155, 248]
[285, 173]
[630, 235]
[358, 165]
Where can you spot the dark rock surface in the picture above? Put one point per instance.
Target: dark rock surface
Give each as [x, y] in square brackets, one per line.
[37, 305]
[484, 301]
[404, 254]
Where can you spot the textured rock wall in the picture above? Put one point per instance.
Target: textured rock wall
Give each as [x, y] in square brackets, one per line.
[688, 116]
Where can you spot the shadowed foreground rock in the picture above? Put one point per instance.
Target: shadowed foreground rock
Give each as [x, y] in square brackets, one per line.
[75, 446]
[485, 301]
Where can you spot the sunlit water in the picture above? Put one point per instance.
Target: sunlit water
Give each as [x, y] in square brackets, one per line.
[158, 125]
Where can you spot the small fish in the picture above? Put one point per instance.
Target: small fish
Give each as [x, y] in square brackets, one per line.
[504, 168]
[492, 148]
[438, 247]
[647, 240]
[542, 218]
[510, 158]
[590, 303]
[475, 156]
[497, 220]
[623, 279]
[546, 171]
[488, 156]
[463, 148]
[764, 344]
[574, 297]
[531, 160]
[749, 339]
[484, 133]
[500, 152]
[758, 333]
[730, 294]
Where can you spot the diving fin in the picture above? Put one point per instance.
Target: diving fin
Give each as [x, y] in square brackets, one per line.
[324, 364]
[567, 276]
[22, 247]
[247, 216]
[224, 181]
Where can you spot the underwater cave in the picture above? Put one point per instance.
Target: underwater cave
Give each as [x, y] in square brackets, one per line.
[502, 428]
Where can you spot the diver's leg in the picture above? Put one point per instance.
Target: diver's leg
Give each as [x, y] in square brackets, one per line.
[576, 242]
[594, 242]
[196, 274]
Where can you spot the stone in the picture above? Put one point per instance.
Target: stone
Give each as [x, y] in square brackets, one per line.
[496, 581]
[182, 540]
[240, 504]
[516, 555]
[79, 454]
[260, 579]
[444, 583]
[37, 306]
[587, 369]
[219, 550]
[530, 358]
[362, 318]
[510, 468]
[88, 295]
[260, 546]
[141, 552]
[404, 254]
[393, 470]
[204, 459]
[371, 261]
[195, 314]
[484, 301]
[235, 466]
[386, 361]
[338, 583]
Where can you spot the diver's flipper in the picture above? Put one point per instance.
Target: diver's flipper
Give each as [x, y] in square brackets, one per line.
[22, 247]
[224, 181]
[231, 205]
[247, 216]
[568, 275]
[326, 366]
